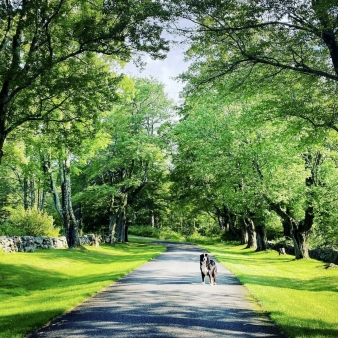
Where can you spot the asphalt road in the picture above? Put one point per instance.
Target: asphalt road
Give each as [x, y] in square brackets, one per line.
[165, 298]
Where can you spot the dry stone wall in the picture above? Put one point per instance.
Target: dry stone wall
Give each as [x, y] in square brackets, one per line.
[328, 255]
[10, 244]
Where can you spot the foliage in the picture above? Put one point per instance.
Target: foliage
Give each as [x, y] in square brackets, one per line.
[30, 222]
[133, 162]
[49, 52]
[197, 238]
[144, 231]
[26, 280]
[286, 289]
[168, 234]
[260, 101]
[279, 36]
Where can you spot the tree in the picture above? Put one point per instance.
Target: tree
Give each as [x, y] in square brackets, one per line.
[253, 165]
[284, 35]
[41, 42]
[135, 156]
[264, 45]
[276, 60]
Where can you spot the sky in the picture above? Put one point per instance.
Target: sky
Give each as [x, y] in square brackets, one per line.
[163, 70]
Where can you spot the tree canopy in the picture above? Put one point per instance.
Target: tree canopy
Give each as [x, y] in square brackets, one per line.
[250, 153]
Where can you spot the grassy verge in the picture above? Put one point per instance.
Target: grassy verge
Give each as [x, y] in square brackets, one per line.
[300, 296]
[36, 287]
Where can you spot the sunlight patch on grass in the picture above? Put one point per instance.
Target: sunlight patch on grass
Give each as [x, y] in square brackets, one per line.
[300, 295]
[37, 287]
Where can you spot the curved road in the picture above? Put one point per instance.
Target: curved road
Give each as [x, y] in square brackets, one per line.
[165, 298]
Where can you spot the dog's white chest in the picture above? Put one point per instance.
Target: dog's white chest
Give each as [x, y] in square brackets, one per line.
[204, 268]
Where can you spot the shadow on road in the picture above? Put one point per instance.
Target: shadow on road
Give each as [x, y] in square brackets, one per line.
[165, 298]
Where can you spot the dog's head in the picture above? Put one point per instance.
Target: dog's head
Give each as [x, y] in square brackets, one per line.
[204, 257]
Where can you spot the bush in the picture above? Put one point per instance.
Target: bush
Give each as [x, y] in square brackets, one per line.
[30, 222]
[145, 231]
[168, 234]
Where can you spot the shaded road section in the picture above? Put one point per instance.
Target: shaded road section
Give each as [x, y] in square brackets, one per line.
[165, 298]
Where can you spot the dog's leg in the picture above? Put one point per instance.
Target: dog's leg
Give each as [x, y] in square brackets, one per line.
[203, 278]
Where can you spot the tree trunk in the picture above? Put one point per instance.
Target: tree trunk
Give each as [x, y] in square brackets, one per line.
[112, 221]
[69, 220]
[41, 198]
[244, 233]
[25, 193]
[32, 193]
[252, 242]
[152, 219]
[112, 229]
[227, 222]
[126, 232]
[121, 228]
[261, 238]
[4, 93]
[52, 186]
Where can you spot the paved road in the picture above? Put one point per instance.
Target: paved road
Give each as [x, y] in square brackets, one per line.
[165, 298]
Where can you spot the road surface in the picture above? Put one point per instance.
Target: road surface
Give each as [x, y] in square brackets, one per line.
[165, 298]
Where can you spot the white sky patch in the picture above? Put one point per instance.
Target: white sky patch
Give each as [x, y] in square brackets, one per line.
[163, 70]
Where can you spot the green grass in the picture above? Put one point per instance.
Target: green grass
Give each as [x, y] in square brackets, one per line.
[301, 296]
[37, 287]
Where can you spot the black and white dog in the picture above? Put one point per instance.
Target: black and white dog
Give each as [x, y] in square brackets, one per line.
[208, 268]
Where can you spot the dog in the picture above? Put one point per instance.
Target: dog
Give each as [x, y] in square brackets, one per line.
[208, 268]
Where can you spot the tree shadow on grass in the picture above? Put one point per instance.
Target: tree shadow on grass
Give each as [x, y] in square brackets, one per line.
[25, 288]
[328, 283]
[297, 327]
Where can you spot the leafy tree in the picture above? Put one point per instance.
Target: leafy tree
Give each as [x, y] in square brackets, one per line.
[134, 158]
[288, 50]
[231, 157]
[273, 60]
[280, 35]
[41, 42]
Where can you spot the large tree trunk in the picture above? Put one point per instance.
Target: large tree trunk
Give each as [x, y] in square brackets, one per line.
[227, 222]
[112, 229]
[244, 232]
[112, 222]
[69, 220]
[25, 193]
[52, 186]
[297, 232]
[252, 242]
[261, 238]
[121, 227]
[32, 192]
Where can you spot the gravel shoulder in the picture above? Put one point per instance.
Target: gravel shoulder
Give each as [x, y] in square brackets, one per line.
[165, 298]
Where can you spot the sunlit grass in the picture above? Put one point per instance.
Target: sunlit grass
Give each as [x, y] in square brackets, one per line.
[300, 295]
[37, 287]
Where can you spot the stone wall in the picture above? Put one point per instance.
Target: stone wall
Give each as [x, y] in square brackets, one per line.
[328, 255]
[10, 244]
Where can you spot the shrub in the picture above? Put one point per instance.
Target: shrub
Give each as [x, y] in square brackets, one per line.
[31, 222]
[145, 231]
[167, 233]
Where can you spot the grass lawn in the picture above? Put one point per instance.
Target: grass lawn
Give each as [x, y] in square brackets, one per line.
[300, 296]
[37, 287]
